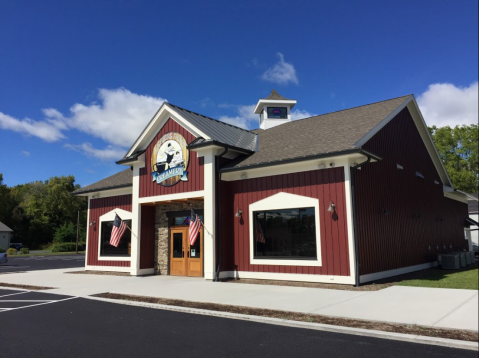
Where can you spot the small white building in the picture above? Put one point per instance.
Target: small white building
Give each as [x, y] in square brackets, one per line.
[5, 236]
[474, 215]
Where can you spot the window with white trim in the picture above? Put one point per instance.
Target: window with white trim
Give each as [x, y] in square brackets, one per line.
[123, 249]
[285, 234]
[284, 230]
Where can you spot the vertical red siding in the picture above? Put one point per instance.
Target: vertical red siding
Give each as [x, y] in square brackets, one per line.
[147, 241]
[195, 167]
[400, 239]
[326, 185]
[98, 207]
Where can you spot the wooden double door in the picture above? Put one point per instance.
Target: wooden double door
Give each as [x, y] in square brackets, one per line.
[185, 259]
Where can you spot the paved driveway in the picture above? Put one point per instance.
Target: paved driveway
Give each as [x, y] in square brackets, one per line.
[38, 324]
[435, 307]
[32, 263]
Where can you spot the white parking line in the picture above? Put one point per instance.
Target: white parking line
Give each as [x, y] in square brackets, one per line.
[17, 293]
[2, 310]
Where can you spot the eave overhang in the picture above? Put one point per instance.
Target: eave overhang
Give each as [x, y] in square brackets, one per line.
[374, 157]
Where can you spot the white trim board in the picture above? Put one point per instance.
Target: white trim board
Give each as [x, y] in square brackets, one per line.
[107, 268]
[299, 277]
[281, 201]
[295, 167]
[183, 195]
[400, 271]
[106, 193]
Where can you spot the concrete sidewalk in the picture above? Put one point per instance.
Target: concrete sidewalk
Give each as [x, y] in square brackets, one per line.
[433, 307]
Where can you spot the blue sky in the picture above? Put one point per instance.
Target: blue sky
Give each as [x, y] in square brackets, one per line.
[79, 80]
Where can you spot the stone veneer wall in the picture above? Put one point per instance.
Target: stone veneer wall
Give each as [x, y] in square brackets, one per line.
[161, 227]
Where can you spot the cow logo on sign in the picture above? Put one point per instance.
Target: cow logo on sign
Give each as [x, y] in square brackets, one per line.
[169, 159]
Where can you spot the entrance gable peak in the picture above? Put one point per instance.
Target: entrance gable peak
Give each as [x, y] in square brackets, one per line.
[161, 117]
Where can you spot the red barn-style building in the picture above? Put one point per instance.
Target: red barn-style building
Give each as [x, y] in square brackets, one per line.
[346, 197]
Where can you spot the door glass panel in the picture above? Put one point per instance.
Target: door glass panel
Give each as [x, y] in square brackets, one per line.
[195, 250]
[177, 244]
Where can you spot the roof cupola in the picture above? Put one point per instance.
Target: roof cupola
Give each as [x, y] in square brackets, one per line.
[274, 110]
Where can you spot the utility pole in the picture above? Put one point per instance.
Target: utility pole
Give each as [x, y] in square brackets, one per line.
[78, 223]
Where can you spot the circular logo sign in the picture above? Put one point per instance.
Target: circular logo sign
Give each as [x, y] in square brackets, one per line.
[169, 159]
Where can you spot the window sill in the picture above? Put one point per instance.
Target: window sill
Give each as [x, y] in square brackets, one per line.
[114, 258]
[283, 262]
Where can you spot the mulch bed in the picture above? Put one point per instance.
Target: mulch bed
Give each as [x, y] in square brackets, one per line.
[294, 316]
[26, 287]
[90, 272]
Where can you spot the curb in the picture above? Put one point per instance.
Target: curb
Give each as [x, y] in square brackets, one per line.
[444, 342]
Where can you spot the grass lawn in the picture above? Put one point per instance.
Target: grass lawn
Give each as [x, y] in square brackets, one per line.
[466, 278]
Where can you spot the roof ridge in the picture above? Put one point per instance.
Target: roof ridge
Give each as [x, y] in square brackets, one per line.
[212, 119]
[342, 110]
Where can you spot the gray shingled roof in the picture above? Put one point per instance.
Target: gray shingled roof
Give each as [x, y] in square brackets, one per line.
[219, 131]
[4, 227]
[118, 180]
[327, 133]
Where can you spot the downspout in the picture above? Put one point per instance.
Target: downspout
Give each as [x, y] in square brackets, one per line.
[355, 224]
[218, 208]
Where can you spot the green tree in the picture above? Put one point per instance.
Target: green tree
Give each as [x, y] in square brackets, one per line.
[458, 149]
[7, 203]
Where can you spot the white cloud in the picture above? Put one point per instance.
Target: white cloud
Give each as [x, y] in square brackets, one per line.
[118, 118]
[43, 130]
[245, 118]
[444, 104]
[299, 114]
[109, 153]
[25, 153]
[281, 73]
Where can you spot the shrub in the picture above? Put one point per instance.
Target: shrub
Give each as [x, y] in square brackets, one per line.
[11, 251]
[65, 247]
[65, 233]
[24, 250]
[2, 250]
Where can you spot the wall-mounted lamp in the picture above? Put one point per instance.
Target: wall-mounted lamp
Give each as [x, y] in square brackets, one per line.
[244, 176]
[92, 223]
[399, 167]
[94, 196]
[331, 207]
[419, 175]
[321, 166]
[331, 165]
[436, 182]
[239, 213]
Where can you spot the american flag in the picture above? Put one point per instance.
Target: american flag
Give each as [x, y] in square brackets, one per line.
[195, 224]
[117, 232]
[258, 232]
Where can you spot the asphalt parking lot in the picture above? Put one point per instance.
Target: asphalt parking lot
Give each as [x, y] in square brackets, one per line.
[31, 263]
[39, 324]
